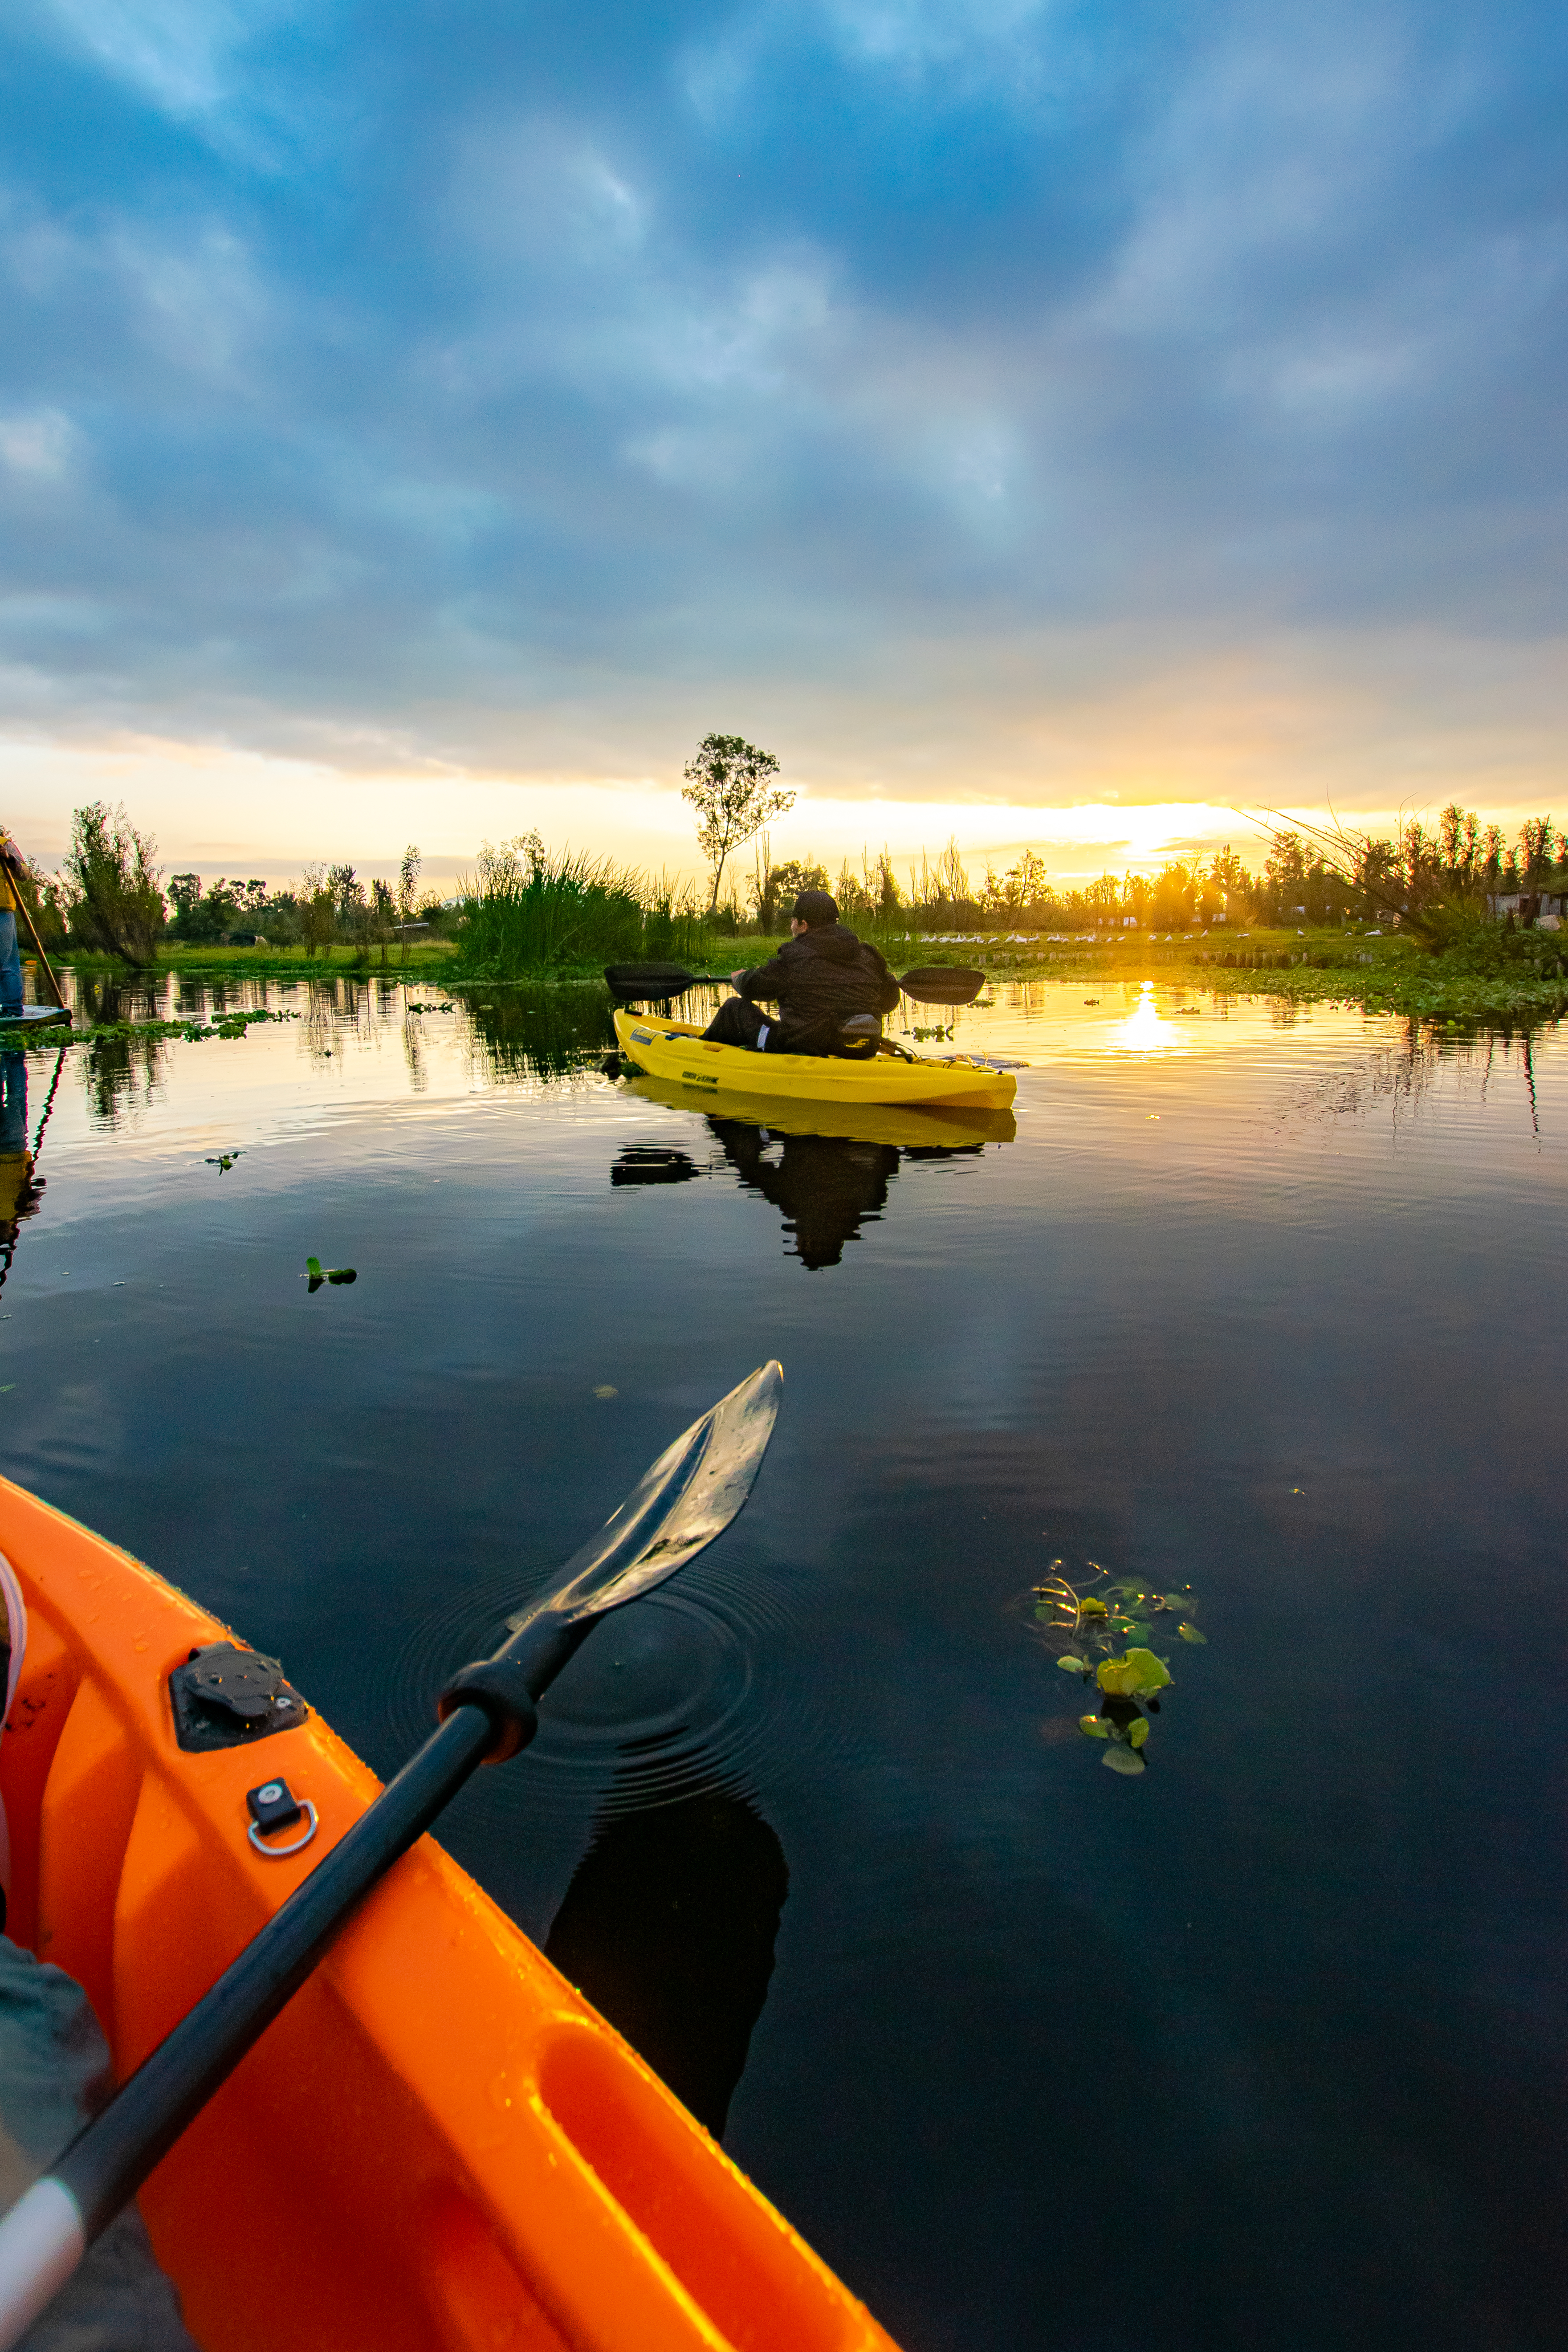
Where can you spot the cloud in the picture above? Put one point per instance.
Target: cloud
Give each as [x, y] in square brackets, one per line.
[39, 444]
[905, 378]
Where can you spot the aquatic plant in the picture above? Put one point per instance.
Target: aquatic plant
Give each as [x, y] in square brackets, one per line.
[192, 1031]
[528, 910]
[1104, 1636]
[316, 1274]
[224, 1162]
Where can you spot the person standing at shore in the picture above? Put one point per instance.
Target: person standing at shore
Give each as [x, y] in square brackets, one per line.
[12, 866]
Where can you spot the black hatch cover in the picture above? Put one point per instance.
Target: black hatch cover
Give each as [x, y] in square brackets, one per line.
[225, 1696]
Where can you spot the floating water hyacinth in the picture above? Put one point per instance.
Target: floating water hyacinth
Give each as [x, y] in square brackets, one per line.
[1104, 1636]
[316, 1274]
[223, 1161]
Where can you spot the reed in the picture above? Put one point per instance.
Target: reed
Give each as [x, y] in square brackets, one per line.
[531, 910]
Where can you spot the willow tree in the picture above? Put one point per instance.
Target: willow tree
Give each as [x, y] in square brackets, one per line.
[730, 784]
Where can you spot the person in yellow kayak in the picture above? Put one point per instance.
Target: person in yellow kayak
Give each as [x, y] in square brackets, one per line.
[820, 979]
[11, 864]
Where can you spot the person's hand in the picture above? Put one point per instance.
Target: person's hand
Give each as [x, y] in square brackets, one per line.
[737, 977]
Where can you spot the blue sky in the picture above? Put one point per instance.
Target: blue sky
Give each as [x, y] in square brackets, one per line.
[1008, 412]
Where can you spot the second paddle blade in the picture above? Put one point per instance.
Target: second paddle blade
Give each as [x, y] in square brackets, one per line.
[637, 982]
[943, 985]
[688, 1497]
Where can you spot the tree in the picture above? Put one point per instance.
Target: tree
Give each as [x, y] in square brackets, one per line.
[1536, 847]
[318, 913]
[347, 892]
[408, 884]
[115, 903]
[729, 785]
[382, 917]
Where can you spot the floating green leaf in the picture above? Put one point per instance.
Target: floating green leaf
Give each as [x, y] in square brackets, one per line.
[316, 1274]
[1190, 1633]
[1118, 1758]
[1137, 1733]
[1131, 1677]
[223, 1162]
[1069, 1664]
[1092, 1728]
[1092, 1609]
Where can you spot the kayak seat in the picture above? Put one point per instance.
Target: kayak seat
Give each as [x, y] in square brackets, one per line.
[859, 1036]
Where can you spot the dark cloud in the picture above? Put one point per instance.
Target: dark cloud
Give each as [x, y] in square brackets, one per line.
[406, 366]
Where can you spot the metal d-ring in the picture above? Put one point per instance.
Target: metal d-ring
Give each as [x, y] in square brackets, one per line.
[281, 1852]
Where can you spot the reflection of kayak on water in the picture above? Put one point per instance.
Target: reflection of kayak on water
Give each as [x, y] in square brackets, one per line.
[825, 1167]
[911, 1127]
[676, 1052]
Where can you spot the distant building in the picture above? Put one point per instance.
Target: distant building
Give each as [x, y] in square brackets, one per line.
[1545, 906]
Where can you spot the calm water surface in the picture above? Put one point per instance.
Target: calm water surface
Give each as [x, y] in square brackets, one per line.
[1262, 2046]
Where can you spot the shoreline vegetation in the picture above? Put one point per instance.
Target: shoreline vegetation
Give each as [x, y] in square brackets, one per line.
[1452, 926]
[1525, 976]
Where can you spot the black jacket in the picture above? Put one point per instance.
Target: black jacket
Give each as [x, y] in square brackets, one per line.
[819, 980]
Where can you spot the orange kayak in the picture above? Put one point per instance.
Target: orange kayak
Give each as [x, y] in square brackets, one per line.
[438, 2147]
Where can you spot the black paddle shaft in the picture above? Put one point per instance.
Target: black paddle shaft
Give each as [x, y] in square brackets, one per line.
[489, 1715]
[646, 983]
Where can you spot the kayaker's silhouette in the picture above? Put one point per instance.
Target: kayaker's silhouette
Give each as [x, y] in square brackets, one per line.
[669, 1927]
[825, 1185]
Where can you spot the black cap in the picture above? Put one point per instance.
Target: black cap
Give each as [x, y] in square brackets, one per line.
[815, 907]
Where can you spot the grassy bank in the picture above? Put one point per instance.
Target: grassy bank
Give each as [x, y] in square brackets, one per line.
[268, 964]
[1505, 977]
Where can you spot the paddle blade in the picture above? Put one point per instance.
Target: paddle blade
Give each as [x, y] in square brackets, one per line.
[633, 980]
[690, 1494]
[942, 985]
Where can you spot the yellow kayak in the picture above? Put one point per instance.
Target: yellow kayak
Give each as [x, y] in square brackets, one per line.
[678, 1052]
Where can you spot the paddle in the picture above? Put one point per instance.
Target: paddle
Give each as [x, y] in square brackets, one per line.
[687, 1498]
[642, 982]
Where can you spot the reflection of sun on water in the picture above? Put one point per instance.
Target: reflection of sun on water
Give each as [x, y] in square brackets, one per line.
[1145, 1031]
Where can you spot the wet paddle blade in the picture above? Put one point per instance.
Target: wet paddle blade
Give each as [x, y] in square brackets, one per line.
[690, 1494]
[943, 985]
[635, 982]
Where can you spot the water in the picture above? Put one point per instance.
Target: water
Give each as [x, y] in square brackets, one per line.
[1258, 2047]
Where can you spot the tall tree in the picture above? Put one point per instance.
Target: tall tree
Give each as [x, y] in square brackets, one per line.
[115, 901]
[730, 784]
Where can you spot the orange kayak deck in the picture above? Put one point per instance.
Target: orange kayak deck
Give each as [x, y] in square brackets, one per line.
[439, 2143]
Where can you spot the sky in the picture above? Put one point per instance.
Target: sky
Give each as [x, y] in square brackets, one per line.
[1035, 422]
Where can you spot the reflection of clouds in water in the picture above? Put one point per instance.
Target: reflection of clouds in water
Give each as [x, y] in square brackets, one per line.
[1145, 1030]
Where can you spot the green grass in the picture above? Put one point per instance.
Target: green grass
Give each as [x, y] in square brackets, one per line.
[1497, 977]
[270, 962]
